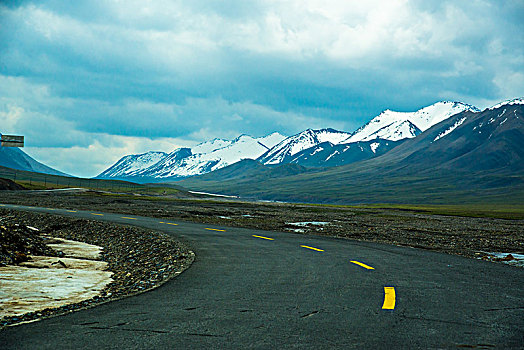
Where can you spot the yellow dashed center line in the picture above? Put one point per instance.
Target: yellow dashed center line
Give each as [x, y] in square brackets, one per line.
[170, 223]
[389, 298]
[71, 211]
[214, 229]
[362, 265]
[127, 217]
[312, 248]
[97, 214]
[269, 239]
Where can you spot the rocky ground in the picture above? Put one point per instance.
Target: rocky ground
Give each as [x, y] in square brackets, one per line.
[139, 259]
[17, 242]
[467, 236]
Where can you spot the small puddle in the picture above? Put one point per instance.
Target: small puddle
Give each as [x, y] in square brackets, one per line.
[304, 224]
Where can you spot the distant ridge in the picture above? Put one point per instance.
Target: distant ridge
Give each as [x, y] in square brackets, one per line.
[15, 158]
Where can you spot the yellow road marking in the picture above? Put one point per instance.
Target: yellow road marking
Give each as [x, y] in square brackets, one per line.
[127, 217]
[312, 248]
[389, 298]
[71, 211]
[363, 265]
[2, 205]
[168, 223]
[50, 208]
[97, 214]
[269, 239]
[214, 229]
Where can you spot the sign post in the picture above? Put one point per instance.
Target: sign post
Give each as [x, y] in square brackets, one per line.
[12, 141]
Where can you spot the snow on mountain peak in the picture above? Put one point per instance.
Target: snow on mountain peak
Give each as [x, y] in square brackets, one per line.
[131, 164]
[203, 158]
[391, 125]
[210, 146]
[301, 141]
[515, 101]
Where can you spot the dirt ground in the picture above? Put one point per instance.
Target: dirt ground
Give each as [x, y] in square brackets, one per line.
[466, 236]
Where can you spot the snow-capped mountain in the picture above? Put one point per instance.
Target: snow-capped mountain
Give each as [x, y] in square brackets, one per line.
[391, 125]
[198, 162]
[388, 126]
[132, 164]
[283, 151]
[490, 140]
[184, 162]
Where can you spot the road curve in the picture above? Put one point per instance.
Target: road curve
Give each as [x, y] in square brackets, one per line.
[259, 289]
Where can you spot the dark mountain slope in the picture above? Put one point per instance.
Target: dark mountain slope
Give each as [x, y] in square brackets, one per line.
[249, 170]
[492, 140]
[14, 158]
[328, 155]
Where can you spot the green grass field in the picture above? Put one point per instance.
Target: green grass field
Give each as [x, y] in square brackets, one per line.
[411, 194]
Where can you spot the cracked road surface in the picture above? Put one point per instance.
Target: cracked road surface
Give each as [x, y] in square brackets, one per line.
[244, 291]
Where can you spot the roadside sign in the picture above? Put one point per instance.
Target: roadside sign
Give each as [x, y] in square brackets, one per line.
[12, 141]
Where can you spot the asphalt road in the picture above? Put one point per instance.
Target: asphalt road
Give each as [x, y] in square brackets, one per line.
[244, 291]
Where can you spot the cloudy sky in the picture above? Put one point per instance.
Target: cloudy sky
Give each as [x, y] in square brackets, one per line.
[90, 81]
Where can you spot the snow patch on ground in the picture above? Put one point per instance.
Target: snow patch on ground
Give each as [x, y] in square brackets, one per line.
[304, 224]
[50, 282]
[514, 259]
[307, 223]
[212, 194]
[75, 249]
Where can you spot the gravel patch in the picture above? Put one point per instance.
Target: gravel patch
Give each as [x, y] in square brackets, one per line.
[139, 259]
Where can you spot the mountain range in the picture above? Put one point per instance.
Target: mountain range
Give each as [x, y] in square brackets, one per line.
[185, 162]
[310, 148]
[466, 157]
